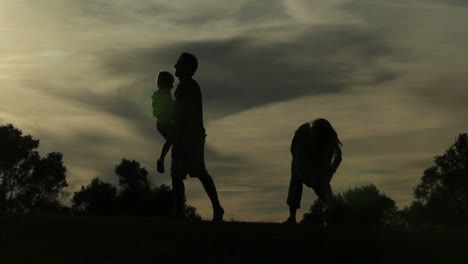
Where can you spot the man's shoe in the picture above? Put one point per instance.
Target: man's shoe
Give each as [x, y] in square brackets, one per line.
[218, 215]
[290, 221]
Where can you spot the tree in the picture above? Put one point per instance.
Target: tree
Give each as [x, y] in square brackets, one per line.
[161, 204]
[42, 188]
[27, 181]
[17, 157]
[135, 197]
[135, 187]
[161, 201]
[98, 197]
[442, 194]
[132, 177]
[363, 205]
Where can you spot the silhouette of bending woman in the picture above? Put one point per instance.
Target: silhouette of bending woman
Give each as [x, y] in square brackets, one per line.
[189, 133]
[316, 155]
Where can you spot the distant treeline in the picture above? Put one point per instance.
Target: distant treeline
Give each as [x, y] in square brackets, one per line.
[30, 183]
[136, 196]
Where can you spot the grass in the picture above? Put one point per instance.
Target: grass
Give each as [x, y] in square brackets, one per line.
[92, 239]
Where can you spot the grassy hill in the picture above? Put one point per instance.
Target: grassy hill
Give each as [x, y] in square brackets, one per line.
[86, 239]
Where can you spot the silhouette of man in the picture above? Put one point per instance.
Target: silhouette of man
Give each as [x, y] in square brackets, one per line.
[188, 148]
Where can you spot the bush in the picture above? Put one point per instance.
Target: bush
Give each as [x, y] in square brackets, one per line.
[363, 205]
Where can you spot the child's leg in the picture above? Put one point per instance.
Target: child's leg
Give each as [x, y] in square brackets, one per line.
[165, 149]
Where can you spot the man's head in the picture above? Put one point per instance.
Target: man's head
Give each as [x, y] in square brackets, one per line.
[165, 80]
[186, 65]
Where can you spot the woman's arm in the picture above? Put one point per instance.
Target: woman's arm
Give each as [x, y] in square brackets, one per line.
[336, 160]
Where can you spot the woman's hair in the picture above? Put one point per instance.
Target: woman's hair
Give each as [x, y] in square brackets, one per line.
[325, 133]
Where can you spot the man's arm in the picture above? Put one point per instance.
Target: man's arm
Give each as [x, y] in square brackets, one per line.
[179, 117]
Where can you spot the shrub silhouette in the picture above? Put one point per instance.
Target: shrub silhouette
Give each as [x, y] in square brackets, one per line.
[363, 205]
[161, 202]
[135, 197]
[98, 197]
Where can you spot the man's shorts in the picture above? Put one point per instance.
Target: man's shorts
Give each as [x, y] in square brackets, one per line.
[188, 157]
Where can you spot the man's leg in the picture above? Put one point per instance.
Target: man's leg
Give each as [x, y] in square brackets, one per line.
[210, 188]
[178, 188]
[197, 169]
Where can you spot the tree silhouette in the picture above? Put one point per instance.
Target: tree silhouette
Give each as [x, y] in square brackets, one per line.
[442, 194]
[17, 156]
[190, 213]
[363, 205]
[27, 181]
[135, 188]
[98, 197]
[41, 190]
[135, 197]
[132, 177]
[162, 201]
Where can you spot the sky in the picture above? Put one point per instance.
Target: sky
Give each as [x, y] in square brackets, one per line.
[389, 75]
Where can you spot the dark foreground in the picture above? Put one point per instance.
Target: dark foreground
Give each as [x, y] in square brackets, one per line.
[86, 239]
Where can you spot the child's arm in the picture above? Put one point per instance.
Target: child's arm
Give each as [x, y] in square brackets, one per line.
[165, 149]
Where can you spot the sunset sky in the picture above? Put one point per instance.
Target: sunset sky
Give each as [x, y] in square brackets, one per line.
[391, 76]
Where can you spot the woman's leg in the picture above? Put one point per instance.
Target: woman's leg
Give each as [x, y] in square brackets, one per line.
[325, 196]
[294, 193]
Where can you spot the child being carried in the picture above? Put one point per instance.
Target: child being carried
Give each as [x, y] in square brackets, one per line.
[163, 111]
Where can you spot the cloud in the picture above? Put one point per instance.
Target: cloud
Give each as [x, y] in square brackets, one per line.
[235, 74]
[260, 11]
[451, 2]
[200, 14]
[241, 73]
